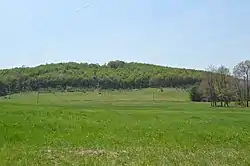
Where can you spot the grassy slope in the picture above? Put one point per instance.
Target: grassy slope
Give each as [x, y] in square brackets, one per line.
[122, 132]
[77, 98]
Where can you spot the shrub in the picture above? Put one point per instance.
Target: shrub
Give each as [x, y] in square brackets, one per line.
[195, 94]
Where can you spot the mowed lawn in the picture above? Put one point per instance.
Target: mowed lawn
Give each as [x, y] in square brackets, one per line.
[77, 131]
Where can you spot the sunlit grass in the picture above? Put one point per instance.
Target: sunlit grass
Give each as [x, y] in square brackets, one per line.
[121, 132]
[133, 95]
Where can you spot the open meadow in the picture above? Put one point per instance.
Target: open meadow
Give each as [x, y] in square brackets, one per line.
[144, 127]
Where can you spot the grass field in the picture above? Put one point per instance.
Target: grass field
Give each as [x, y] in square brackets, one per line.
[121, 128]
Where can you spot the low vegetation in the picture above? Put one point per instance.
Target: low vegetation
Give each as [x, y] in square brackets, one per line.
[121, 128]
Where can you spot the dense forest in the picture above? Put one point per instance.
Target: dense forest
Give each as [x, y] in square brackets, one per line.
[113, 75]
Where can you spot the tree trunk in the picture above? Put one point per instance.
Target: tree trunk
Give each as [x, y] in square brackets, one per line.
[247, 87]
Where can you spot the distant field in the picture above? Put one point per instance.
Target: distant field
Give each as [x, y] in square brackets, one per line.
[121, 128]
[78, 97]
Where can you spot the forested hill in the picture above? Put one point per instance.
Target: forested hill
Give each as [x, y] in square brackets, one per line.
[113, 75]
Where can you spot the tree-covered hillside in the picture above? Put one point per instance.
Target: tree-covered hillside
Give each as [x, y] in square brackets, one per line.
[113, 75]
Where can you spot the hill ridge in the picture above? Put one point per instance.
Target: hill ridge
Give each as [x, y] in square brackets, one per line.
[113, 75]
[80, 63]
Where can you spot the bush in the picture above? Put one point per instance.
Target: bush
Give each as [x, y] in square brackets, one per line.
[70, 89]
[195, 94]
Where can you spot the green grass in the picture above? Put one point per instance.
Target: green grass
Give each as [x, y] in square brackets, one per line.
[121, 129]
[141, 95]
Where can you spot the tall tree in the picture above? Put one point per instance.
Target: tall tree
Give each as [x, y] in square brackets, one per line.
[209, 80]
[217, 85]
[238, 85]
[242, 71]
[223, 84]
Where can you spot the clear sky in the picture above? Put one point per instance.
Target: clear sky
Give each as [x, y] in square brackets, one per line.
[179, 33]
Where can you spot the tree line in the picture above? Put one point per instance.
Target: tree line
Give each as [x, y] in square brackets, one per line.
[216, 84]
[113, 75]
[219, 86]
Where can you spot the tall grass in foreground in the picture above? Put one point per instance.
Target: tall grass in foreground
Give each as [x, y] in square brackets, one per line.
[121, 132]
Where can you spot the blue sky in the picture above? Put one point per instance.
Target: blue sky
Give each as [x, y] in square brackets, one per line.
[179, 33]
